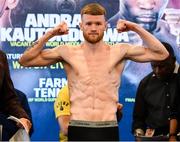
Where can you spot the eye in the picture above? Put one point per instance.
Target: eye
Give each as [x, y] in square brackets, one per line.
[98, 24]
[88, 23]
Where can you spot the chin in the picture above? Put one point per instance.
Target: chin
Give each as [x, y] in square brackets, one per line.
[148, 26]
[93, 42]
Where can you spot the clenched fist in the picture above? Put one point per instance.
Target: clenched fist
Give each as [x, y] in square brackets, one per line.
[123, 26]
[60, 29]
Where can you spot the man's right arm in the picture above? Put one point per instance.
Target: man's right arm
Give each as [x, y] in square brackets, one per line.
[37, 56]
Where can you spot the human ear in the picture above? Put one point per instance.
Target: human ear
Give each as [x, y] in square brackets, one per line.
[80, 25]
[106, 26]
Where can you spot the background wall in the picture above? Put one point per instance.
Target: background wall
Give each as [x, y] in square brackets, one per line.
[30, 19]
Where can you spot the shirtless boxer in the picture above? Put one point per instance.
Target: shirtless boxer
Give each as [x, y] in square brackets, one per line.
[93, 71]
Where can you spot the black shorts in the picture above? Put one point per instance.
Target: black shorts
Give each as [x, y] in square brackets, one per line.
[93, 131]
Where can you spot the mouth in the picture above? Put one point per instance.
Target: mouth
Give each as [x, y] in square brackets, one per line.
[93, 34]
[146, 18]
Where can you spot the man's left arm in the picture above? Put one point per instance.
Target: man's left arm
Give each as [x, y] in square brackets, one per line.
[155, 51]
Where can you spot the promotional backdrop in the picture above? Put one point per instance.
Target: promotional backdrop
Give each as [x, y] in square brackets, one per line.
[30, 19]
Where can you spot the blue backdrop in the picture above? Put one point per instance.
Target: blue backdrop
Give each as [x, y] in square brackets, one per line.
[30, 19]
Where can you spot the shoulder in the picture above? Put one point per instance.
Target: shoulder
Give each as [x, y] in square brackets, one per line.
[146, 79]
[20, 93]
[121, 48]
[61, 50]
[123, 44]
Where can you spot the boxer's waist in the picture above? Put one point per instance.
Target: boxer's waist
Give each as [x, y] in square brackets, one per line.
[92, 124]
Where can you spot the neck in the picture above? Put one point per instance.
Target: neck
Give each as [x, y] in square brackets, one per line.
[166, 77]
[93, 47]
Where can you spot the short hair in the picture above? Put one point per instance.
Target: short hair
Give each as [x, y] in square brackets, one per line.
[93, 9]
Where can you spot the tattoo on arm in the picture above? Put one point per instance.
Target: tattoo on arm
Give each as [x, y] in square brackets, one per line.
[32, 46]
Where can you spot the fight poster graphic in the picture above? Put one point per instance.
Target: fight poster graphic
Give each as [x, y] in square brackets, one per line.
[22, 22]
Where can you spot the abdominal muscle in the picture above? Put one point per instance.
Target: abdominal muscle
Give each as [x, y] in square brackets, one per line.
[93, 114]
[94, 98]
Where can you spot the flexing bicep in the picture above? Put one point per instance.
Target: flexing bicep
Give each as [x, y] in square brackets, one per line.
[45, 58]
[141, 54]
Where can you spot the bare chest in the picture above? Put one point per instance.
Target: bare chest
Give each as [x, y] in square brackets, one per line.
[94, 64]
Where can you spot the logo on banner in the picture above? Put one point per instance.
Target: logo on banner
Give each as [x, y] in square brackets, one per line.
[48, 89]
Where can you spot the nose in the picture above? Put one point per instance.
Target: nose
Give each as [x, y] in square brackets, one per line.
[93, 27]
[146, 4]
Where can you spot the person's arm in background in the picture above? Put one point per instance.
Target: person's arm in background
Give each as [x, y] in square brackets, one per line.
[119, 111]
[174, 114]
[62, 112]
[24, 102]
[9, 100]
[173, 130]
[63, 121]
[139, 112]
